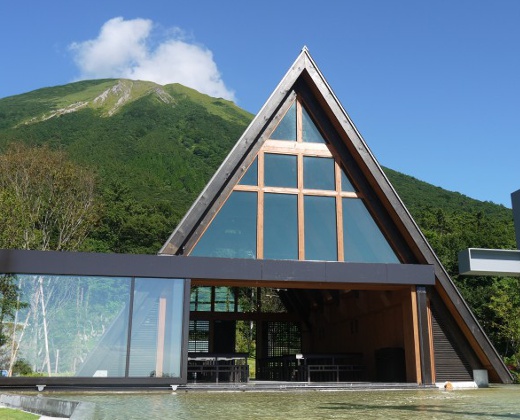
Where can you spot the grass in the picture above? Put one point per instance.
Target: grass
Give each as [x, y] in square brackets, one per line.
[10, 414]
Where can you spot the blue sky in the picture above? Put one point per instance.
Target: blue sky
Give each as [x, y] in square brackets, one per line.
[433, 86]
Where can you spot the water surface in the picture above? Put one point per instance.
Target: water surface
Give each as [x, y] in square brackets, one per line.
[502, 402]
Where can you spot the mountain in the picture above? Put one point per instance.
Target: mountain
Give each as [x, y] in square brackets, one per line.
[155, 147]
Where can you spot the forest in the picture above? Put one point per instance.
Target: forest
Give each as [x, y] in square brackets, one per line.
[139, 167]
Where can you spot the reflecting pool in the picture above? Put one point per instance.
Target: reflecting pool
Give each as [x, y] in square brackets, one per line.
[501, 402]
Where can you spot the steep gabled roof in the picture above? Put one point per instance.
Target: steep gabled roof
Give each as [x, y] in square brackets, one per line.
[306, 81]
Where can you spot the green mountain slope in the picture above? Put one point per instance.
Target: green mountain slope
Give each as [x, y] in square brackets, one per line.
[155, 147]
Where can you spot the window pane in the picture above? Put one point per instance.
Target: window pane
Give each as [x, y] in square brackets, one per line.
[156, 341]
[320, 228]
[232, 233]
[200, 298]
[311, 133]
[86, 320]
[251, 175]
[280, 227]
[224, 299]
[362, 238]
[346, 185]
[280, 171]
[286, 130]
[318, 173]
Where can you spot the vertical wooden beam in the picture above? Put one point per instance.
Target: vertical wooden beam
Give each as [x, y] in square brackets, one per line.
[339, 213]
[411, 337]
[430, 329]
[301, 217]
[299, 122]
[424, 335]
[260, 207]
[161, 329]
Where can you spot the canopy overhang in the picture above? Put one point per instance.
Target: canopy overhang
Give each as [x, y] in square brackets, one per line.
[489, 262]
[315, 274]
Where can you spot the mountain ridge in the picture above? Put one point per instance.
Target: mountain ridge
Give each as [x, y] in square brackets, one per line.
[162, 144]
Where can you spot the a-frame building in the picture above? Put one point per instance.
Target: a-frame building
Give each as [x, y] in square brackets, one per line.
[302, 193]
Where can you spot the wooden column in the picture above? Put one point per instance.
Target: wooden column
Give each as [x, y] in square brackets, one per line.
[424, 335]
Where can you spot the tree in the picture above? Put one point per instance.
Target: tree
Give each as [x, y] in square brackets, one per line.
[46, 203]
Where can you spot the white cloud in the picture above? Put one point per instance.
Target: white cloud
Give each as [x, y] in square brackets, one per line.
[123, 50]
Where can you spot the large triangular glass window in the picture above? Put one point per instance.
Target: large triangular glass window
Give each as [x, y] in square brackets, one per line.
[296, 202]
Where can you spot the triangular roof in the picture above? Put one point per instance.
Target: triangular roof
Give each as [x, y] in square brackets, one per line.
[305, 80]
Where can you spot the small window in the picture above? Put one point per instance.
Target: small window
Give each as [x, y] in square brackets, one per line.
[198, 341]
[251, 175]
[311, 133]
[280, 170]
[318, 173]
[286, 130]
[346, 185]
[200, 299]
[224, 299]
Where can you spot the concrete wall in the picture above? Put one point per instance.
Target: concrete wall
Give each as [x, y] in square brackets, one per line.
[49, 406]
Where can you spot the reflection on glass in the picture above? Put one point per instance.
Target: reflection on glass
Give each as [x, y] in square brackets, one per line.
[156, 340]
[280, 170]
[232, 233]
[86, 322]
[224, 299]
[286, 130]
[251, 175]
[363, 240]
[200, 298]
[311, 133]
[346, 185]
[320, 228]
[280, 227]
[318, 173]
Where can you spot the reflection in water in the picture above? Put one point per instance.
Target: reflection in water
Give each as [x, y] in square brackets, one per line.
[493, 403]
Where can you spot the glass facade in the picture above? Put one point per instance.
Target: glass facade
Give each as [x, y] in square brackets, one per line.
[296, 201]
[81, 326]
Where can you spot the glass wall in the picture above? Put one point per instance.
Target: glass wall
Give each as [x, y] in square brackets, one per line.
[296, 202]
[79, 326]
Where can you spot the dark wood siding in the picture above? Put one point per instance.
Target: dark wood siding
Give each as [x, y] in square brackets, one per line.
[450, 363]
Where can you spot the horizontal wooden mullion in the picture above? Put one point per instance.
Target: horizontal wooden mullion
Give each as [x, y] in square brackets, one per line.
[252, 188]
[324, 193]
[280, 190]
[278, 146]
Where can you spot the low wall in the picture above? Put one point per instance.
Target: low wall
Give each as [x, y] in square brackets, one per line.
[51, 407]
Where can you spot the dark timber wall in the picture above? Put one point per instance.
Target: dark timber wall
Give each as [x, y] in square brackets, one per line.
[454, 360]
